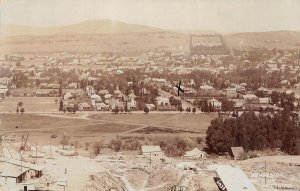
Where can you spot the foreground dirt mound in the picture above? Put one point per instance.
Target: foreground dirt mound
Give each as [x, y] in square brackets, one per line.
[162, 179]
[136, 178]
[104, 181]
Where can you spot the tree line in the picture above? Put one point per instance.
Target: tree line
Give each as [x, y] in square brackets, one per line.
[255, 132]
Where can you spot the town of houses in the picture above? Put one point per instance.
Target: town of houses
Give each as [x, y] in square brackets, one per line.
[110, 82]
[258, 80]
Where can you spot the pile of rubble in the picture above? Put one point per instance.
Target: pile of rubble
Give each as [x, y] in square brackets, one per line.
[104, 181]
[47, 178]
[167, 177]
[136, 177]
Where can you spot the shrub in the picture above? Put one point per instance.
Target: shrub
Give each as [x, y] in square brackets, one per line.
[199, 140]
[131, 144]
[97, 147]
[116, 145]
[146, 110]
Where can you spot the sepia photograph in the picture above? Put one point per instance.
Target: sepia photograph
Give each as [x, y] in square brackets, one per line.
[149, 95]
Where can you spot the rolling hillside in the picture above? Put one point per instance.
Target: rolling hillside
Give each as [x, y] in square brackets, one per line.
[100, 26]
[114, 36]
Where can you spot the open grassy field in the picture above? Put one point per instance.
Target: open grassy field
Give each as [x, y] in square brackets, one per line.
[31, 104]
[41, 127]
[179, 121]
[84, 127]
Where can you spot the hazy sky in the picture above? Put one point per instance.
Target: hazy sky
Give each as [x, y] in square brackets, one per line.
[218, 15]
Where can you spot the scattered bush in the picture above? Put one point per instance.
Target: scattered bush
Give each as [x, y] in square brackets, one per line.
[97, 146]
[116, 145]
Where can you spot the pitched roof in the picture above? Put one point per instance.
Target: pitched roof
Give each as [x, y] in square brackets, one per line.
[237, 151]
[153, 148]
[234, 178]
[249, 96]
[23, 163]
[194, 152]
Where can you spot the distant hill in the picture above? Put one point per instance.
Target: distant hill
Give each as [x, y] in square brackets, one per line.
[271, 39]
[100, 26]
[114, 36]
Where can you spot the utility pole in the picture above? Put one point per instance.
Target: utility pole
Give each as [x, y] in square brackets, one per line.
[21, 160]
[50, 148]
[35, 153]
[150, 158]
[90, 152]
[265, 172]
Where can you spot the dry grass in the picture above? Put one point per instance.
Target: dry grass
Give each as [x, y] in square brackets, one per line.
[191, 122]
[31, 104]
[41, 127]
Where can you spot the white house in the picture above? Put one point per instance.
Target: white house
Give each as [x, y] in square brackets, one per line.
[162, 100]
[3, 90]
[5, 80]
[131, 104]
[264, 100]
[251, 98]
[67, 96]
[132, 96]
[153, 151]
[150, 106]
[96, 97]
[103, 92]
[206, 88]
[231, 93]
[195, 154]
[102, 107]
[215, 103]
[84, 106]
[107, 96]
[73, 85]
[90, 90]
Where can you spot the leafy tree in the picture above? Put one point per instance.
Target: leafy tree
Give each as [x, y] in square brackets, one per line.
[8, 93]
[221, 135]
[74, 109]
[252, 132]
[126, 107]
[194, 110]
[227, 105]
[60, 90]
[146, 110]
[69, 109]
[204, 105]
[65, 140]
[180, 109]
[188, 109]
[174, 101]
[116, 110]
[20, 104]
[275, 97]
[87, 144]
[61, 105]
[22, 110]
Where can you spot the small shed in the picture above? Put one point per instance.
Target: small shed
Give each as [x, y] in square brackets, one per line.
[14, 171]
[238, 153]
[84, 106]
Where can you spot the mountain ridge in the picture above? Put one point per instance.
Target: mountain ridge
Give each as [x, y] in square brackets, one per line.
[98, 26]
